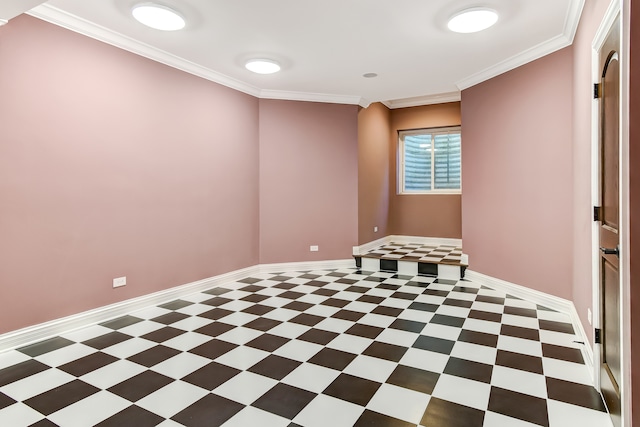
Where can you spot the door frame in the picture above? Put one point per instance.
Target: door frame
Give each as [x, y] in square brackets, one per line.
[617, 8]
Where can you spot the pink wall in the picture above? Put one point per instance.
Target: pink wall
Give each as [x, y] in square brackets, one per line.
[373, 172]
[592, 15]
[517, 175]
[114, 165]
[422, 215]
[308, 181]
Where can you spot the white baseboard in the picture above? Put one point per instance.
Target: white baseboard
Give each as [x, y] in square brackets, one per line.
[556, 303]
[32, 334]
[434, 241]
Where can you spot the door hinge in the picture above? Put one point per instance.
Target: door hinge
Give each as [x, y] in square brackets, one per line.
[597, 337]
[597, 213]
[596, 90]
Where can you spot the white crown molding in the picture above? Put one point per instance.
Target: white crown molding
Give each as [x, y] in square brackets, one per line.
[423, 100]
[29, 335]
[607, 22]
[71, 22]
[312, 97]
[551, 301]
[3, 22]
[536, 52]
[82, 26]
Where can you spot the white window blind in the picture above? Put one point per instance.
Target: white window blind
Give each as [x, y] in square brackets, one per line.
[431, 161]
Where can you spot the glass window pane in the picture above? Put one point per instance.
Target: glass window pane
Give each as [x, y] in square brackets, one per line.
[417, 163]
[447, 161]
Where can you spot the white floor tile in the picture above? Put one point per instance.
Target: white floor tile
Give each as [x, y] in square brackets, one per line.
[180, 365]
[442, 331]
[65, 354]
[171, 399]
[130, 347]
[525, 322]
[370, 368]
[520, 345]
[245, 388]
[425, 360]
[399, 402]
[493, 419]
[474, 352]
[10, 358]
[242, 357]
[90, 411]
[239, 335]
[19, 415]
[520, 381]
[141, 328]
[311, 377]
[298, 350]
[397, 337]
[463, 391]
[186, 342]
[482, 326]
[289, 330]
[350, 343]
[334, 325]
[251, 416]
[378, 320]
[326, 411]
[567, 371]
[35, 384]
[113, 374]
[564, 414]
[87, 333]
[191, 323]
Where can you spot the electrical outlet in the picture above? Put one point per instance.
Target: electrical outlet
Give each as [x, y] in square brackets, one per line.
[375, 229]
[589, 315]
[119, 281]
[313, 248]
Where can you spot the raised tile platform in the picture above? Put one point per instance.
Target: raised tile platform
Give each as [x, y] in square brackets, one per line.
[443, 261]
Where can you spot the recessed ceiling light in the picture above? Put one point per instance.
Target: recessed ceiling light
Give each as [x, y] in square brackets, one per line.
[262, 66]
[473, 20]
[369, 75]
[158, 17]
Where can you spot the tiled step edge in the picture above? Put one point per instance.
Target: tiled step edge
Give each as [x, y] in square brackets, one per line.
[551, 301]
[366, 247]
[31, 334]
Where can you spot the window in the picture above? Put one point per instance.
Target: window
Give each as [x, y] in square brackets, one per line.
[430, 161]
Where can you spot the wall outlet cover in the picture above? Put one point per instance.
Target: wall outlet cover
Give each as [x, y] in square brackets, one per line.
[119, 281]
[313, 248]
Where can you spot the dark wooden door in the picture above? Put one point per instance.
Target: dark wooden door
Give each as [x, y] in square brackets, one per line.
[610, 356]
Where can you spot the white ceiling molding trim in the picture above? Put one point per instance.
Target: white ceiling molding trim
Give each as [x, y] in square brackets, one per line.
[3, 22]
[63, 19]
[424, 100]
[313, 97]
[536, 52]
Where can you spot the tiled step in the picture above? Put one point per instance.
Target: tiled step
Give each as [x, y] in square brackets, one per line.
[445, 262]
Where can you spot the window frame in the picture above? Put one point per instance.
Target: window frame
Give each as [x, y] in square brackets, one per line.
[400, 167]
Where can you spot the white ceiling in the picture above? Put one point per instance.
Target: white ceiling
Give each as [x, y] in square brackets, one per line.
[326, 46]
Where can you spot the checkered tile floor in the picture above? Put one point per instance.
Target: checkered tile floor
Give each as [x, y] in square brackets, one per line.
[322, 348]
[442, 254]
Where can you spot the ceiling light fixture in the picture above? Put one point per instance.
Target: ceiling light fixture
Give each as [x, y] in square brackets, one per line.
[369, 75]
[262, 66]
[158, 17]
[473, 20]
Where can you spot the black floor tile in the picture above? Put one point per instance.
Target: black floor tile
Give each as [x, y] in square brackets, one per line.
[423, 306]
[414, 379]
[469, 369]
[358, 289]
[352, 389]
[520, 332]
[366, 331]
[169, 318]
[141, 385]
[307, 319]
[408, 325]
[458, 303]
[258, 309]
[335, 302]
[53, 400]
[517, 405]
[442, 413]
[385, 351]
[262, 324]
[163, 334]
[212, 349]
[5, 401]
[268, 342]
[370, 418]
[331, 358]
[250, 280]
[210, 411]
[275, 367]
[442, 319]
[352, 316]
[519, 311]
[404, 295]
[21, 370]
[549, 325]
[284, 400]
[387, 311]
[45, 346]
[216, 301]
[371, 299]
[211, 376]
[121, 322]
[154, 355]
[480, 338]
[490, 299]
[562, 353]
[465, 290]
[523, 362]
[485, 315]
[255, 298]
[88, 363]
[576, 394]
[325, 292]
[291, 295]
[215, 314]
[434, 344]
[214, 329]
[107, 340]
[133, 416]
[176, 305]
[220, 291]
[318, 336]
[44, 423]
[252, 288]
[298, 306]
